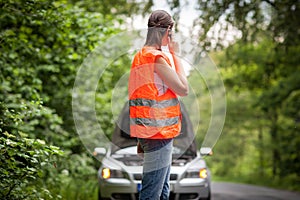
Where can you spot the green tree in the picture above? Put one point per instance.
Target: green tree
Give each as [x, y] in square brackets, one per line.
[42, 44]
[265, 62]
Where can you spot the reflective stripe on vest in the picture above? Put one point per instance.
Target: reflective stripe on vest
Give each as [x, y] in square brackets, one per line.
[154, 103]
[160, 108]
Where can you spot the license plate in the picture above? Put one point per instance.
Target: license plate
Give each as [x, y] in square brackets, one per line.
[139, 187]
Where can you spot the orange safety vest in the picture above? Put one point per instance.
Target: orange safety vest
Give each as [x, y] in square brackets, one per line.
[152, 116]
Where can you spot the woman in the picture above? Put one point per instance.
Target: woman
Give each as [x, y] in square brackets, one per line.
[155, 117]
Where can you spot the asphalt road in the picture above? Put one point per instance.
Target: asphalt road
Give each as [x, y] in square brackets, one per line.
[232, 191]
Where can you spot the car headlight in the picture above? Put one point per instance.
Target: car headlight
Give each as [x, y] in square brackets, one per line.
[202, 173]
[107, 173]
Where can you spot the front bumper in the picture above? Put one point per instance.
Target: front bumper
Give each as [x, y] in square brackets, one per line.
[117, 189]
[190, 189]
[184, 189]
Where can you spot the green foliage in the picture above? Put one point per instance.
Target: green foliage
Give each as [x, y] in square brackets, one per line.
[108, 82]
[42, 44]
[23, 165]
[120, 7]
[274, 19]
[75, 177]
[262, 89]
[262, 67]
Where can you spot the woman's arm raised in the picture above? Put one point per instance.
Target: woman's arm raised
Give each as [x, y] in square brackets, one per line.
[175, 80]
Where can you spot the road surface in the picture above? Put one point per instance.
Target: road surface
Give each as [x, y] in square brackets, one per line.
[232, 191]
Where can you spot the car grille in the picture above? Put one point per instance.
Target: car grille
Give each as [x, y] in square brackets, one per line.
[188, 196]
[121, 196]
[173, 177]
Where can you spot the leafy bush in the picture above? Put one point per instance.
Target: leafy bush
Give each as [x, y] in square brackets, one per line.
[42, 44]
[24, 163]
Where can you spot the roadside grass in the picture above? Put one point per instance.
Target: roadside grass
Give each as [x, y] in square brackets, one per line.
[79, 189]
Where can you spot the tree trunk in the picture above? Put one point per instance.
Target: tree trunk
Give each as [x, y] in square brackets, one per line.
[275, 143]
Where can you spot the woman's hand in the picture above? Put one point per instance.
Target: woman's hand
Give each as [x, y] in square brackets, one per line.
[140, 150]
[173, 46]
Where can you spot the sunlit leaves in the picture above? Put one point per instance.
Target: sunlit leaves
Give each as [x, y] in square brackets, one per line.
[42, 45]
[23, 163]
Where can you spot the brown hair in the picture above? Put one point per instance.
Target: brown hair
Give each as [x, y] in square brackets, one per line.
[158, 23]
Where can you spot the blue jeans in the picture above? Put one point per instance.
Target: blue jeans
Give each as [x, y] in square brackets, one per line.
[156, 168]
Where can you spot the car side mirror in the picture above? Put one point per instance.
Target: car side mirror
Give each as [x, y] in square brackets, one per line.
[206, 151]
[99, 151]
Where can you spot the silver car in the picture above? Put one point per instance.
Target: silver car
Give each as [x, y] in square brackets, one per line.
[120, 174]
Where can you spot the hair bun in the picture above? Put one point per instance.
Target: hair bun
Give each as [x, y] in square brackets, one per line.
[153, 24]
[160, 19]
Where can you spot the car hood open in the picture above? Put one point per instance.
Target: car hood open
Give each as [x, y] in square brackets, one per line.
[121, 136]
